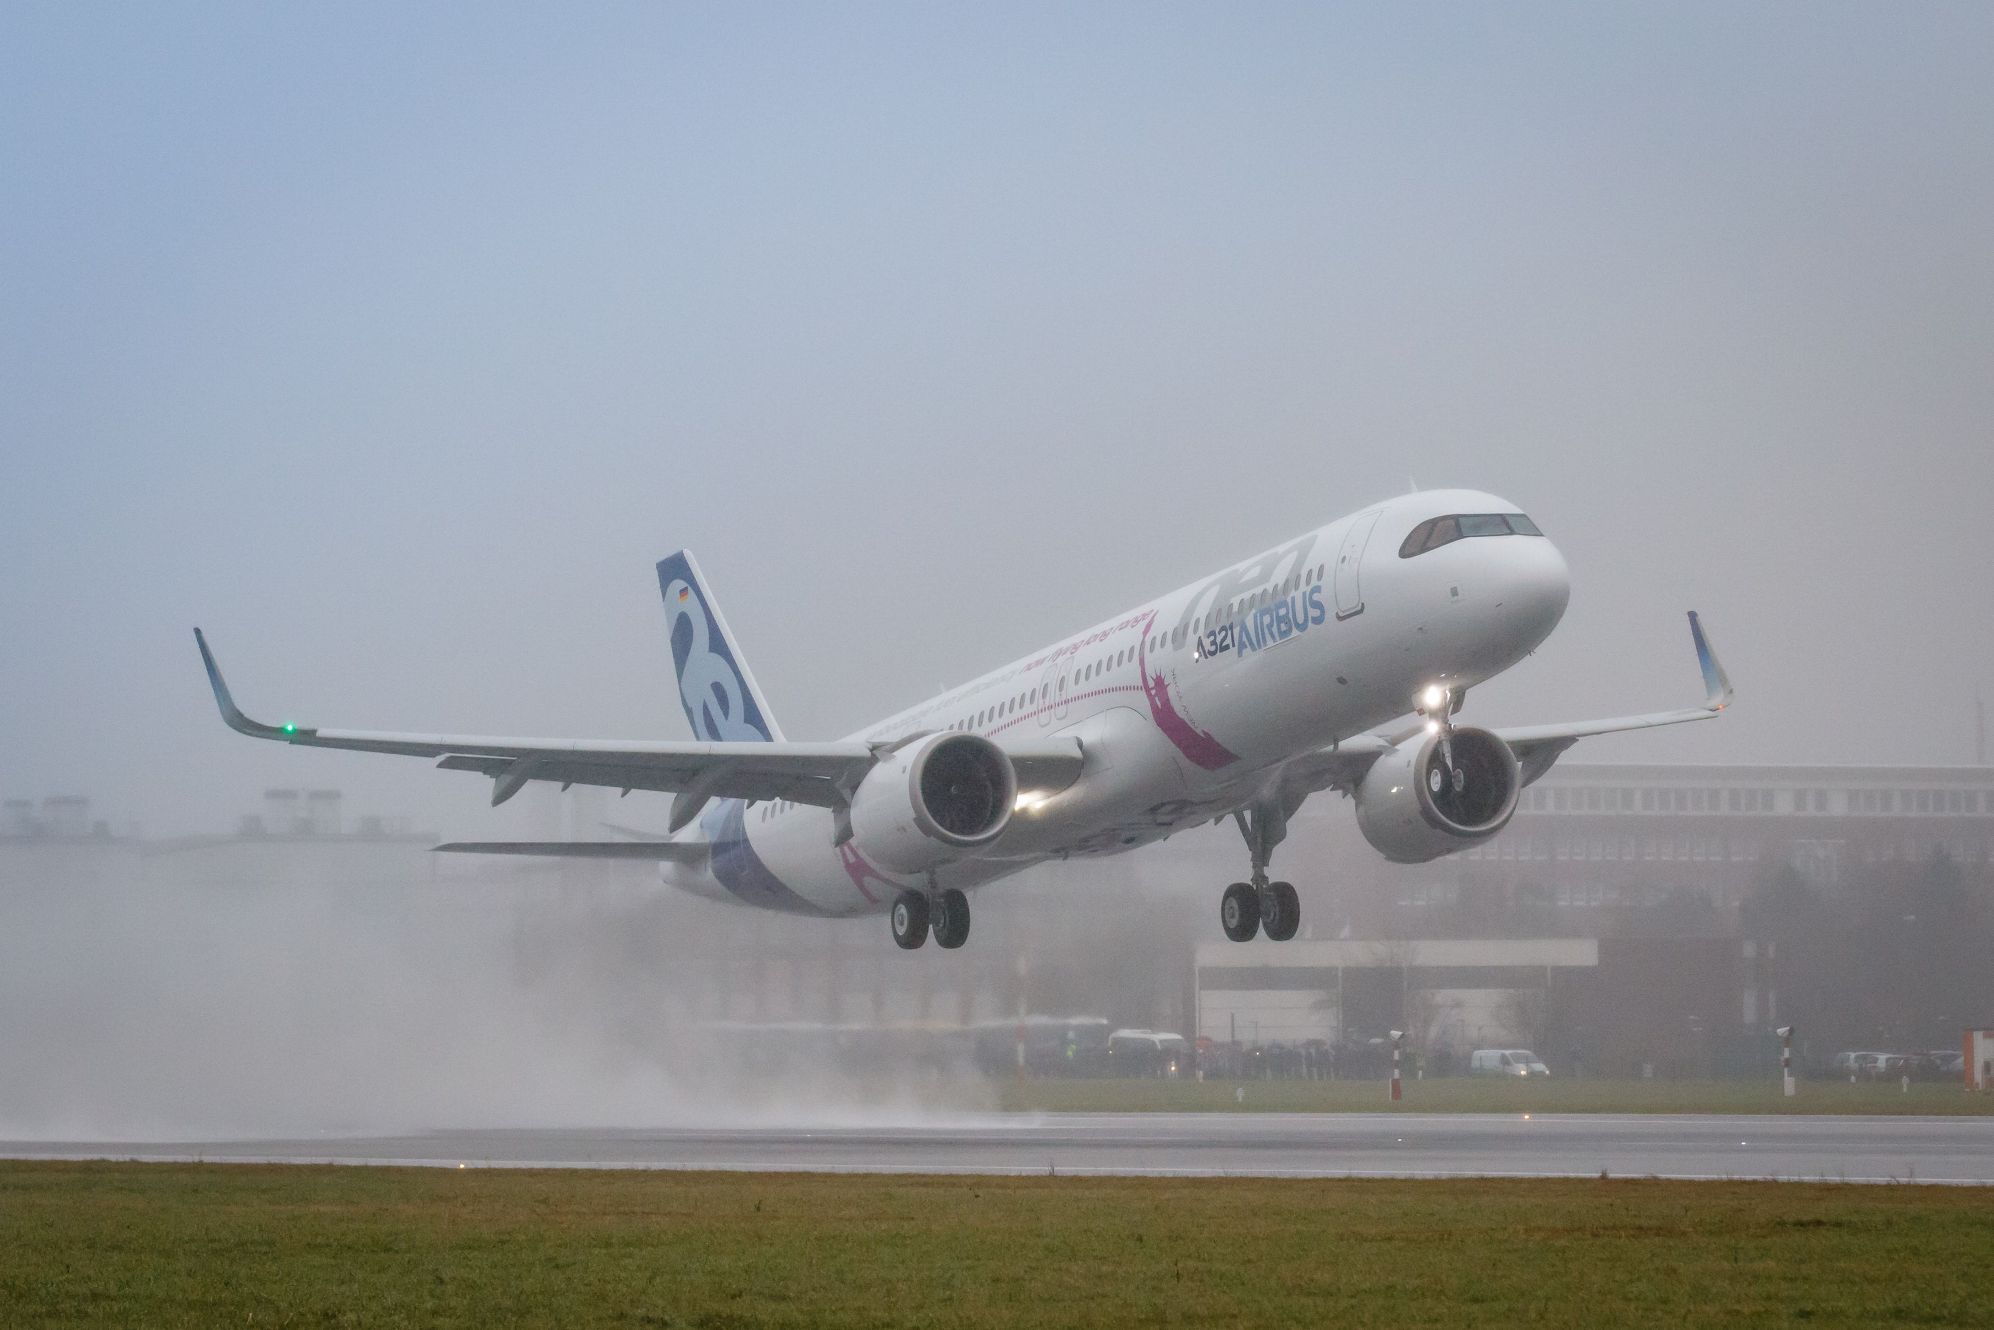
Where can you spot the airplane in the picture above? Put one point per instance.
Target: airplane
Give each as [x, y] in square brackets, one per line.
[1337, 661]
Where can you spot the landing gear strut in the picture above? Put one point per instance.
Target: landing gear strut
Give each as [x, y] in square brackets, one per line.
[1261, 906]
[917, 913]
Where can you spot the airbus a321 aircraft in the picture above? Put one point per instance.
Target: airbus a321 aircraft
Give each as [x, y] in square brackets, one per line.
[1236, 697]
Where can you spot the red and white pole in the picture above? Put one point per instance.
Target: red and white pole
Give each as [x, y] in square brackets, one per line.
[1398, 1041]
[1786, 1060]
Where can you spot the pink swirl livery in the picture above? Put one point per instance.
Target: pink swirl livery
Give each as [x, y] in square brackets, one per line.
[1198, 745]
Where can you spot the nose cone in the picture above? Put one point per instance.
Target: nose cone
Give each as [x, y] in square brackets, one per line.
[1540, 586]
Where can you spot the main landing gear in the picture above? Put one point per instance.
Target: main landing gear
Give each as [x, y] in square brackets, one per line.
[917, 913]
[1272, 907]
[1261, 906]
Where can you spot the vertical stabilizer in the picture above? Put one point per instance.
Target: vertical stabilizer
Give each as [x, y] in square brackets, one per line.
[721, 699]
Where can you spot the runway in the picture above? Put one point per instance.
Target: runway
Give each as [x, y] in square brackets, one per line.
[1956, 1150]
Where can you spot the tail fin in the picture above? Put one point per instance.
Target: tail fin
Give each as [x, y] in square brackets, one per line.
[720, 696]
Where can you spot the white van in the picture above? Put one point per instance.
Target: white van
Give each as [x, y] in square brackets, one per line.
[1506, 1062]
[1148, 1053]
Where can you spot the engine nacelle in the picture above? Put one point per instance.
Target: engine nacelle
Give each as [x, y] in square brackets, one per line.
[1412, 808]
[933, 800]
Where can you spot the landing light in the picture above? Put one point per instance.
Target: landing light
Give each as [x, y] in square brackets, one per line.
[1433, 697]
[1433, 727]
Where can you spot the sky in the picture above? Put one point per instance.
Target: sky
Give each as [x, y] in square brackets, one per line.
[394, 344]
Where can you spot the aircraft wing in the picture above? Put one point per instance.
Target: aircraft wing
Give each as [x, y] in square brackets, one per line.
[823, 774]
[1536, 746]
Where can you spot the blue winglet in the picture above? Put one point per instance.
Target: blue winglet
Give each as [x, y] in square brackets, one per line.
[232, 714]
[1716, 685]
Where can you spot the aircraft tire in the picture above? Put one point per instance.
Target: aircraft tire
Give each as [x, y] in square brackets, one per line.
[1280, 912]
[909, 919]
[1239, 912]
[950, 919]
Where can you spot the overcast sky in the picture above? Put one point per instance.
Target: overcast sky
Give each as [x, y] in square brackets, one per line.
[393, 344]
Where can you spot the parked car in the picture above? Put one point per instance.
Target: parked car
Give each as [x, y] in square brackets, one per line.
[1506, 1062]
[1861, 1066]
[1148, 1053]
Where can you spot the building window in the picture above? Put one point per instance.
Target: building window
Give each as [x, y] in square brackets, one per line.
[1736, 800]
[1647, 801]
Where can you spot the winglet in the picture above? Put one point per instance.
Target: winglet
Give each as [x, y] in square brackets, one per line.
[1716, 685]
[231, 713]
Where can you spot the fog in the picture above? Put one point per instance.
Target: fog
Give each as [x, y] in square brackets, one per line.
[393, 347]
[149, 1016]
[283, 987]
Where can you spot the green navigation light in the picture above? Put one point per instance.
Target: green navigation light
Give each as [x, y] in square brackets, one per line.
[289, 728]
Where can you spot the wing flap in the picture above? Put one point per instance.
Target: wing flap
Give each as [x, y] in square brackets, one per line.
[646, 851]
[720, 781]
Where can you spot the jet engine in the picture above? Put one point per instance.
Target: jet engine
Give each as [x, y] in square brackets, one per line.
[1414, 804]
[932, 800]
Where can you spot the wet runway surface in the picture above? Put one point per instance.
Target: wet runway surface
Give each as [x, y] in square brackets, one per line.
[1865, 1149]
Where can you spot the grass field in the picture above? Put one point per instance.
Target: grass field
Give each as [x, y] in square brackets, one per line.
[169, 1245]
[1484, 1095]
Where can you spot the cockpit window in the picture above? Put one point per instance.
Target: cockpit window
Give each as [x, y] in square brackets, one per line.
[1437, 531]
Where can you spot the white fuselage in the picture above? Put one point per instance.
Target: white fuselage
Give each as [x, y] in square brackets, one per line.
[1187, 706]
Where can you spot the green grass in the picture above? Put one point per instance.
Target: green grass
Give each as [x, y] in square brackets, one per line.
[172, 1245]
[1484, 1095]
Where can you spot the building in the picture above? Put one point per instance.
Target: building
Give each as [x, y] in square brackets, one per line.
[1617, 1006]
[1604, 849]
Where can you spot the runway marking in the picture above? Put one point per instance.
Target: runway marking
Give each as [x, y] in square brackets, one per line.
[1868, 1150]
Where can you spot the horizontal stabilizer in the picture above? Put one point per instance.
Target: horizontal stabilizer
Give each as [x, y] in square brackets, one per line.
[681, 852]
